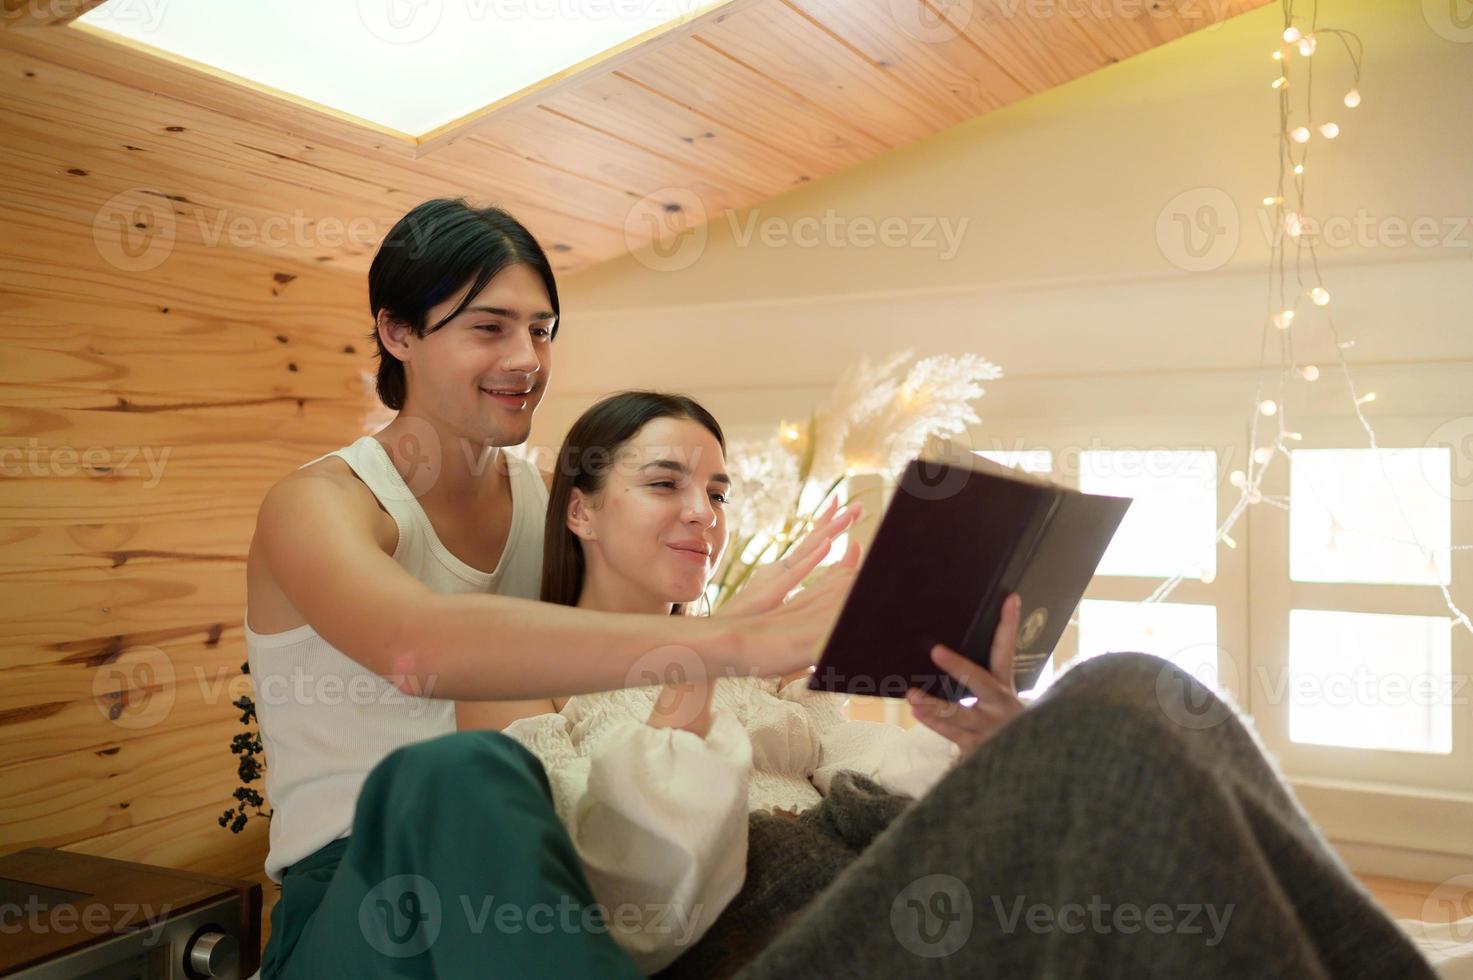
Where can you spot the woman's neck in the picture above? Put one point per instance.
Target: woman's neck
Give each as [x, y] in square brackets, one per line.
[603, 594]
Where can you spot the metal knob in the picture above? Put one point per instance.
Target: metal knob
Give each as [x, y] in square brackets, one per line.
[214, 954]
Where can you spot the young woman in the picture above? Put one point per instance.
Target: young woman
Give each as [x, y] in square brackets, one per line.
[1108, 830]
[655, 783]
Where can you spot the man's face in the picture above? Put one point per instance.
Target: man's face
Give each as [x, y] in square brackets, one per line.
[483, 373]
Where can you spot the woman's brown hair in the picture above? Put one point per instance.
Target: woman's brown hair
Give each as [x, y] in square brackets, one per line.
[583, 462]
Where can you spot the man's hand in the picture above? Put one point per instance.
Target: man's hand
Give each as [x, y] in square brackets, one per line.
[997, 701]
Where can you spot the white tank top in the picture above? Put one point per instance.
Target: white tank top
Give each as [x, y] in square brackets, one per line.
[325, 719]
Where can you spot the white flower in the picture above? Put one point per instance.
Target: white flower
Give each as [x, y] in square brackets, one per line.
[861, 392]
[764, 479]
[935, 398]
[875, 422]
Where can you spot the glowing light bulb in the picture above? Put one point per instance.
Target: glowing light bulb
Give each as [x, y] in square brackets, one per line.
[1310, 372]
[1271, 201]
[1307, 45]
[1299, 168]
[1329, 130]
[1299, 134]
[1352, 98]
[1283, 319]
[1279, 83]
[1367, 398]
[1292, 35]
[1262, 455]
[1293, 224]
[1278, 56]
[1227, 539]
[1320, 295]
[1209, 577]
[1238, 479]
[1268, 408]
[1296, 436]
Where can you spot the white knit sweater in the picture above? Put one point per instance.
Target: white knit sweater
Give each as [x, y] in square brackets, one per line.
[659, 815]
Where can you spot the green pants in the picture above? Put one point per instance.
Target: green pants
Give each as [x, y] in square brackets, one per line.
[457, 867]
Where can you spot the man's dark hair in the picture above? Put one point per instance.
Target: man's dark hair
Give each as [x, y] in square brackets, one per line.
[430, 253]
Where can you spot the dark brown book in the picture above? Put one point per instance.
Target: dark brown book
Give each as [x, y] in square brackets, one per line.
[958, 537]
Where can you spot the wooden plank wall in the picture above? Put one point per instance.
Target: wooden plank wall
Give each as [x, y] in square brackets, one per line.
[152, 390]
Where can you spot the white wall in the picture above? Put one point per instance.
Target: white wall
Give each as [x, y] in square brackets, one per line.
[1060, 276]
[1062, 279]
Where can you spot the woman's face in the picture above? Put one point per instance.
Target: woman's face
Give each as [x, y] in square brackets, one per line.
[656, 532]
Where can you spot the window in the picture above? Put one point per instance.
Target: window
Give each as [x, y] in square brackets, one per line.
[1358, 515]
[1172, 526]
[1173, 523]
[409, 67]
[1357, 677]
[1369, 680]
[1359, 667]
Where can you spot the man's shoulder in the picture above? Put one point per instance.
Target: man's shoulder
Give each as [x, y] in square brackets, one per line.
[328, 480]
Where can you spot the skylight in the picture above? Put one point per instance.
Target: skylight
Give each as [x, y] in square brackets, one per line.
[406, 65]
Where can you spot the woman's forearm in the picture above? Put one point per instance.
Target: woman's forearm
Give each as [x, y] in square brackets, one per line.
[686, 706]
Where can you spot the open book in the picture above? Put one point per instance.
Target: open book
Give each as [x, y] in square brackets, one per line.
[959, 536]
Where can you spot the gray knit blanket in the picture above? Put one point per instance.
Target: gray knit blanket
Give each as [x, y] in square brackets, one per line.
[1128, 824]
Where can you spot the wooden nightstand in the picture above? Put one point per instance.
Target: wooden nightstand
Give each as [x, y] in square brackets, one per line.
[66, 915]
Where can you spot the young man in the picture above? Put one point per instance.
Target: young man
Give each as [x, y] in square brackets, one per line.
[398, 575]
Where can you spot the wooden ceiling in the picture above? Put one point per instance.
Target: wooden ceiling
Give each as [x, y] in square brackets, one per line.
[724, 111]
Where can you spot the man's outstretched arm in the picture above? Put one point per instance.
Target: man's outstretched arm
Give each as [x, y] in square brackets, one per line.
[316, 538]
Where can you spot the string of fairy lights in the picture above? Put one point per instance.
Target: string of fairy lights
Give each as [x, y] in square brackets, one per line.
[1297, 286]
